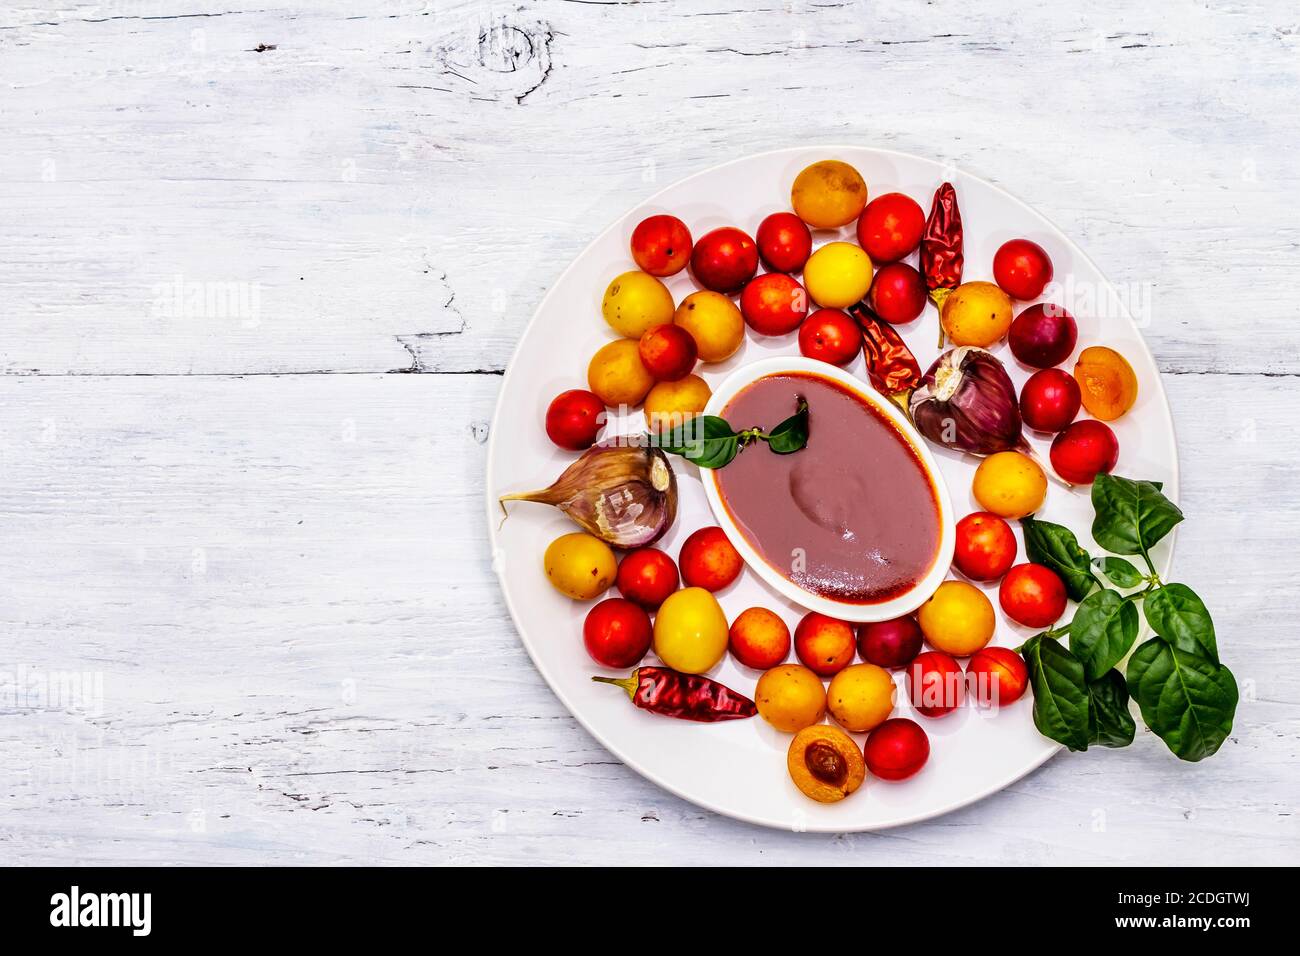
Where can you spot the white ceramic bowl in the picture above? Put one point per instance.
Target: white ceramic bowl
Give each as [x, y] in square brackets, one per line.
[844, 610]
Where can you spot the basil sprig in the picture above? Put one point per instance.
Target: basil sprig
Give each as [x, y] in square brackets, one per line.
[710, 442]
[707, 441]
[1081, 696]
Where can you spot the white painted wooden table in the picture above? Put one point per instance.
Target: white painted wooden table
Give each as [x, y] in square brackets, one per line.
[248, 614]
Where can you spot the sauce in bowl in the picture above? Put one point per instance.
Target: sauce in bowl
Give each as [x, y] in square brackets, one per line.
[853, 516]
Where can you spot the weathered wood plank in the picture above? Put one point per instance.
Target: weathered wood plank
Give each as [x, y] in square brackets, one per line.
[396, 188]
[282, 584]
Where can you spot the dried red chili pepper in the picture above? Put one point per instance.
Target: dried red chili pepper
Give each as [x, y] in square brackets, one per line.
[684, 696]
[941, 247]
[890, 363]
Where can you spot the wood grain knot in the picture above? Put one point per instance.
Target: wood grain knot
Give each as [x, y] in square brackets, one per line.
[507, 58]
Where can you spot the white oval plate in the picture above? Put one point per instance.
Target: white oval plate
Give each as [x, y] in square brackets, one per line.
[737, 768]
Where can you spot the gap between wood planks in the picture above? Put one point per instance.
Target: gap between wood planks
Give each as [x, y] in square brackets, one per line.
[286, 374]
[417, 369]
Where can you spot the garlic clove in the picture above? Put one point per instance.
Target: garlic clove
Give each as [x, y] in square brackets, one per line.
[624, 494]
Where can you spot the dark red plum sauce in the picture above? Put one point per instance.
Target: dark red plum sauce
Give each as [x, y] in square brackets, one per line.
[853, 516]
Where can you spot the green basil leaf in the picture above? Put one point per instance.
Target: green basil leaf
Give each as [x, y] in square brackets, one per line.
[791, 434]
[1060, 692]
[1109, 722]
[1104, 627]
[690, 434]
[706, 440]
[1056, 547]
[1131, 515]
[1186, 698]
[716, 452]
[1179, 616]
[1121, 573]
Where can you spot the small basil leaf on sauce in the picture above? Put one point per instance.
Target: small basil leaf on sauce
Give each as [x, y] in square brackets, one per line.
[1056, 547]
[706, 440]
[689, 437]
[791, 434]
[717, 452]
[1122, 574]
[710, 442]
